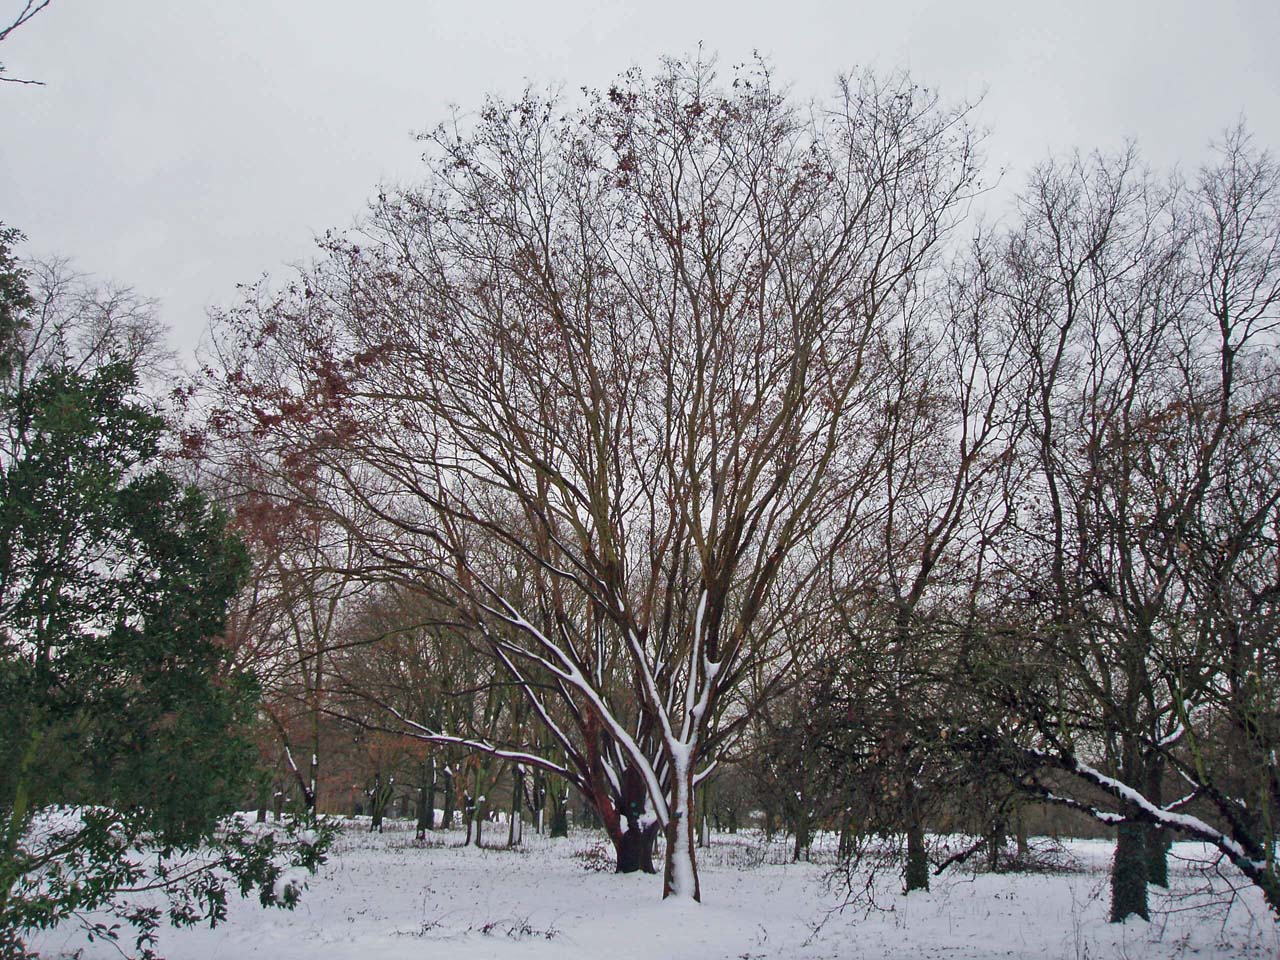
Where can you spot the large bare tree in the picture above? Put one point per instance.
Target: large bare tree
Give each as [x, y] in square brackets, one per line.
[625, 346]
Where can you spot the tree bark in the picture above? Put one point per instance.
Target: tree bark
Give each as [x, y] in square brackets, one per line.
[515, 829]
[1129, 874]
[680, 879]
[803, 837]
[1155, 837]
[447, 823]
[468, 817]
[916, 874]
[995, 844]
[426, 812]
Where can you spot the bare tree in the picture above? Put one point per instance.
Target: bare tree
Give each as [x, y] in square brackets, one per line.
[629, 344]
[1147, 312]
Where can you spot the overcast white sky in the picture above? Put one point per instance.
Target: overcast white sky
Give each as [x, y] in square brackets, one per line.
[182, 146]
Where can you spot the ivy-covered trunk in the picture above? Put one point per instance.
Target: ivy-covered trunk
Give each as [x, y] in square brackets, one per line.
[915, 874]
[1129, 873]
[559, 812]
[1155, 837]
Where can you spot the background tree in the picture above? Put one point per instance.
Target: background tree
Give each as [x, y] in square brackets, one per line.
[1147, 313]
[114, 582]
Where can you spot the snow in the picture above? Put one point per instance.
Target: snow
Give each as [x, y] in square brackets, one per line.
[1193, 825]
[383, 897]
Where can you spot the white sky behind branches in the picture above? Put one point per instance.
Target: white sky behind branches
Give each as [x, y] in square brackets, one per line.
[183, 147]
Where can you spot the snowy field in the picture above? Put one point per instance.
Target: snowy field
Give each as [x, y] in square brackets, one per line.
[383, 897]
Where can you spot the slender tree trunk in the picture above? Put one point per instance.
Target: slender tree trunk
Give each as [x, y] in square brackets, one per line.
[431, 797]
[468, 816]
[378, 799]
[995, 844]
[515, 830]
[844, 849]
[309, 795]
[803, 839]
[680, 878]
[538, 797]
[426, 802]
[447, 824]
[704, 827]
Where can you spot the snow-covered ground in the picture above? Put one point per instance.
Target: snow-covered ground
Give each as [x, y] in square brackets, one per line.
[383, 897]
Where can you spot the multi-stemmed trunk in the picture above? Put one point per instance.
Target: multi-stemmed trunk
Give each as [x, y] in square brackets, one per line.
[379, 797]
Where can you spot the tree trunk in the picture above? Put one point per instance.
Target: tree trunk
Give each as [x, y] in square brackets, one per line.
[1129, 873]
[426, 801]
[468, 816]
[634, 849]
[1157, 844]
[447, 823]
[515, 830]
[309, 794]
[538, 800]
[633, 842]
[1020, 832]
[680, 879]
[704, 828]
[916, 874]
[379, 797]
[1156, 838]
[995, 845]
[803, 837]
[559, 813]
[844, 849]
